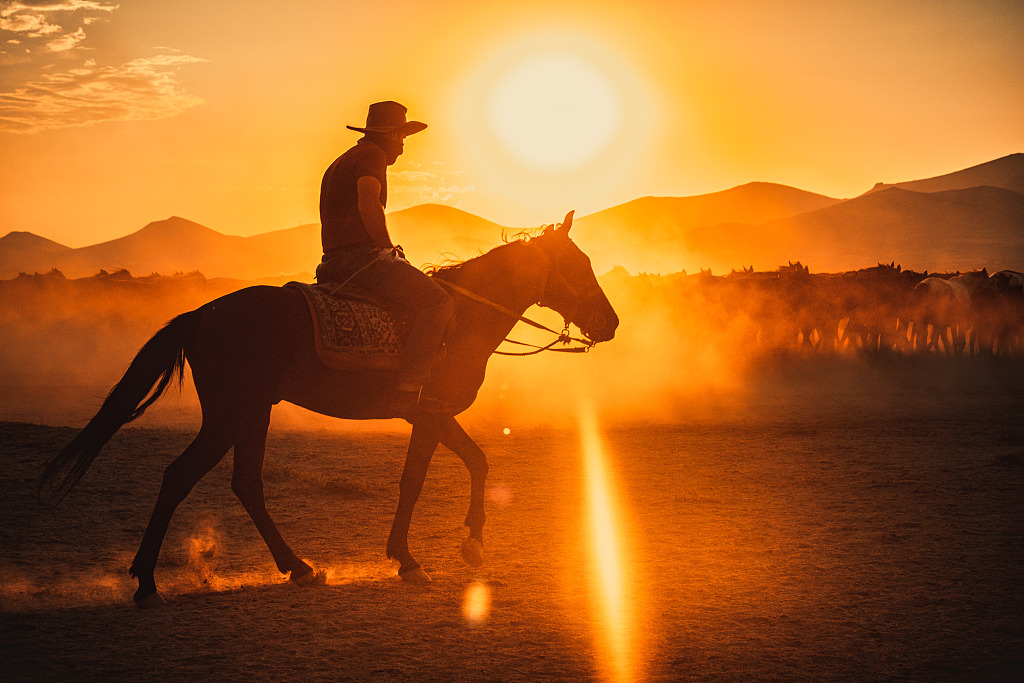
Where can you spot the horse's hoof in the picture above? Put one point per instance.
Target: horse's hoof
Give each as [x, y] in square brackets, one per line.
[473, 551]
[316, 578]
[149, 601]
[414, 576]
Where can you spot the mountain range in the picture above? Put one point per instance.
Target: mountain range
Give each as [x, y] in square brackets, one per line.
[180, 245]
[966, 219]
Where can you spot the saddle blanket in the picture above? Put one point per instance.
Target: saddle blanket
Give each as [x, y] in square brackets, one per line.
[352, 331]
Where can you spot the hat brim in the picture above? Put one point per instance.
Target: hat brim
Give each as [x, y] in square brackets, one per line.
[406, 129]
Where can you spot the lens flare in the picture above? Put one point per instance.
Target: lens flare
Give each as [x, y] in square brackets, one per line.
[476, 604]
[610, 592]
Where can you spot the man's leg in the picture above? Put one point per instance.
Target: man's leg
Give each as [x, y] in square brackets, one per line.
[430, 306]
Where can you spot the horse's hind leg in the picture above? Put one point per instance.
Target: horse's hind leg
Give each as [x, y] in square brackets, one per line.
[200, 457]
[247, 483]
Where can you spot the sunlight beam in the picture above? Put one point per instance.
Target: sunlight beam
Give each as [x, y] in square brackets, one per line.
[606, 553]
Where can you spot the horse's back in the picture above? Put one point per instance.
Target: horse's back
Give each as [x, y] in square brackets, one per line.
[960, 291]
[935, 286]
[255, 347]
[259, 312]
[246, 339]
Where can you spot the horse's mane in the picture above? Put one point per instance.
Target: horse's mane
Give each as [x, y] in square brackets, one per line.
[449, 264]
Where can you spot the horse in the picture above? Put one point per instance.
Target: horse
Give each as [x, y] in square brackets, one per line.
[876, 301]
[1010, 281]
[997, 314]
[253, 348]
[945, 305]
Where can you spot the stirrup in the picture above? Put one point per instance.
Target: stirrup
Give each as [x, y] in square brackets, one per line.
[408, 404]
[429, 405]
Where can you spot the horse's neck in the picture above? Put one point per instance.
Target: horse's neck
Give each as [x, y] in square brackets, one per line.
[505, 276]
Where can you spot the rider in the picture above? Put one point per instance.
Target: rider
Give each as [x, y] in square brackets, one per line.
[358, 249]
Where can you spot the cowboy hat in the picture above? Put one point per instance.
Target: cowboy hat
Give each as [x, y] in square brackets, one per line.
[388, 117]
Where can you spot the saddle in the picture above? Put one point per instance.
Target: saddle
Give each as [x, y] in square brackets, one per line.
[352, 330]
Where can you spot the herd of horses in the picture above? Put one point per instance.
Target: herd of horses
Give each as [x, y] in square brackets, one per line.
[877, 310]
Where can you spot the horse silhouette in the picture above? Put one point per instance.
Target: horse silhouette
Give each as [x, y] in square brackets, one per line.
[944, 306]
[879, 304]
[997, 314]
[253, 348]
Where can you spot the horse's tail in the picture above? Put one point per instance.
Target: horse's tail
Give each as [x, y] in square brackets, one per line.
[157, 363]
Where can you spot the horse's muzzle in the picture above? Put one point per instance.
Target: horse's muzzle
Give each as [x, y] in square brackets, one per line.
[598, 327]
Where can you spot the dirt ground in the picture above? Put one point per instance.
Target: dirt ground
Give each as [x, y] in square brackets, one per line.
[820, 527]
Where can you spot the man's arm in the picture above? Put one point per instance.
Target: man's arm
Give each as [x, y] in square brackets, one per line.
[372, 213]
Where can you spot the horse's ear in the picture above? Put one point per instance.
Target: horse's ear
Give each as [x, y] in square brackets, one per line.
[566, 223]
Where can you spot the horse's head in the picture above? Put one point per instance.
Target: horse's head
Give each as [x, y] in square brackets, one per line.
[571, 287]
[1008, 281]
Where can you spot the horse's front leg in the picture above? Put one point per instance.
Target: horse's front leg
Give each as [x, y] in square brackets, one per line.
[455, 438]
[426, 434]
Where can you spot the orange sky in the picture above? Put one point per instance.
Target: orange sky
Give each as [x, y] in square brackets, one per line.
[113, 115]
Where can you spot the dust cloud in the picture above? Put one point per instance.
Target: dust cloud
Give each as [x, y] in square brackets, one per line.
[689, 345]
[701, 346]
[195, 567]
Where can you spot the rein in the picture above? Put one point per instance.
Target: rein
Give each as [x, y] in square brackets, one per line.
[562, 336]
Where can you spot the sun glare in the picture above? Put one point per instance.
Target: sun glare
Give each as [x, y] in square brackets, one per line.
[552, 118]
[554, 110]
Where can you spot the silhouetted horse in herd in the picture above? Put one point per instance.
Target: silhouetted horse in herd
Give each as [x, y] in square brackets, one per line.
[944, 306]
[997, 314]
[876, 302]
[253, 348]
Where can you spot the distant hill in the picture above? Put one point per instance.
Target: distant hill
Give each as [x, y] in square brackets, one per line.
[430, 233]
[951, 230]
[20, 248]
[1007, 173]
[169, 246]
[649, 234]
[166, 246]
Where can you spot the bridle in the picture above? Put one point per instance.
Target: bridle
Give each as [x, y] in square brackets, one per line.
[550, 273]
[579, 298]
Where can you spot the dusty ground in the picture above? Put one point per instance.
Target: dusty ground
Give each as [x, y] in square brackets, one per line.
[821, 528]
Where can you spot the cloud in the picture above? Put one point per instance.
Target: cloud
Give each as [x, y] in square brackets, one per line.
[419, 186]
[140, 90]
[66, 41]
[11, 7]
[32, 25]
[30, 19]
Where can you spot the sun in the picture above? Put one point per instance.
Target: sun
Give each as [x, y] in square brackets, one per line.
[554, 110]
[552, 119]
